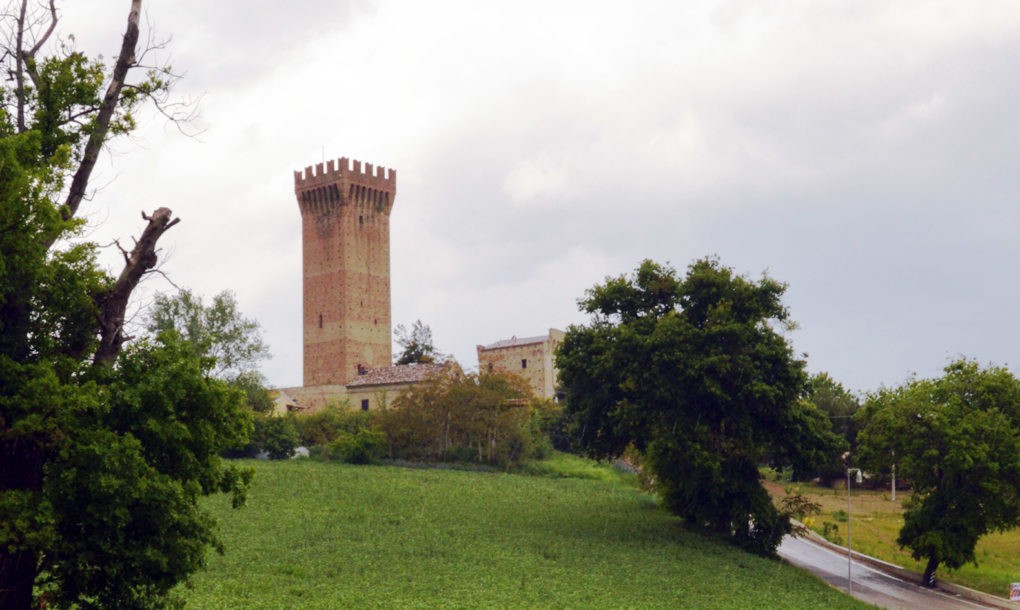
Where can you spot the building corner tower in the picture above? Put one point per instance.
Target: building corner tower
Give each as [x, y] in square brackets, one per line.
[345, 234]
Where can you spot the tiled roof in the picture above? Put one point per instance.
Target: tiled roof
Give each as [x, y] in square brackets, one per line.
[402, 373]
[515, 341]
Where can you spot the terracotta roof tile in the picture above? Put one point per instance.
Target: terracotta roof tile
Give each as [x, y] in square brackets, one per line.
[403, 373]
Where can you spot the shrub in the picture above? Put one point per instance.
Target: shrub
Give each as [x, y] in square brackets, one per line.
[830, 531]
[488, 418]
[362, 447]
[323, 427]
[275, 435]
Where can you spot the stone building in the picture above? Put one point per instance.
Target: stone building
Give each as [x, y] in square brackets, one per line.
[375, 388]
[345, 234]
[533, 358]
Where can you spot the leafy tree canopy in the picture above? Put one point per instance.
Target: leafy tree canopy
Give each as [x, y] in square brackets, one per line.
[839, 406]
[105, 447]
[957, 440]
[836, 402]
[231, 342]
[416, 344]
[219, 330]
[694, 373]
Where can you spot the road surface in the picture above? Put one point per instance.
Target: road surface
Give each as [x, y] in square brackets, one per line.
[869, 584]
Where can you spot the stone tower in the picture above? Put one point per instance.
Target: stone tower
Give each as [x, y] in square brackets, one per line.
[345, 230]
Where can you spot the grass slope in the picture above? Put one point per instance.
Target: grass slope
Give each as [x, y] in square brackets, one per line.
[320, 535]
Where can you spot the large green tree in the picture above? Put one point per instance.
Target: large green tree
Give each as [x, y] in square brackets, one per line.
[956, 439]
[104, 448]
[695, 373]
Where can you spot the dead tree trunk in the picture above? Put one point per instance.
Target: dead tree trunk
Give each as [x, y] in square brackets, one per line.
[113, 304]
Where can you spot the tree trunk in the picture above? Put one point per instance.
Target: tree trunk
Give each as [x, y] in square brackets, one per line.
[21, 466]
[113, 304]
[97, 139]
[928, 580]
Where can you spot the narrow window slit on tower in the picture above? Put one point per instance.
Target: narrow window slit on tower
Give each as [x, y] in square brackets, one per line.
[524, 363]
[320, 320]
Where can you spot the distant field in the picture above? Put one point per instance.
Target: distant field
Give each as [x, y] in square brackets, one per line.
[320, 535]
[876, 524]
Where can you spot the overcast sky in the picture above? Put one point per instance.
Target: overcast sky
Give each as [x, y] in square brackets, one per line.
[864, 152]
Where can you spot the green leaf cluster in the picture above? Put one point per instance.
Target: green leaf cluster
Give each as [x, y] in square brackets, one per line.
[956, 439]
[101, 466]
[696, 375]
[219, 331]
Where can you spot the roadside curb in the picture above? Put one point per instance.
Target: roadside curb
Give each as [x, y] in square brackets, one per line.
[914, 577]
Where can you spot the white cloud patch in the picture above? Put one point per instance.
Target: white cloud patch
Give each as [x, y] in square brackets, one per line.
[542, 146]
[542, 176]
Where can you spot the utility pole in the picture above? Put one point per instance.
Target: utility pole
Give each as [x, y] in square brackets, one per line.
[894, 481]
[849, 545]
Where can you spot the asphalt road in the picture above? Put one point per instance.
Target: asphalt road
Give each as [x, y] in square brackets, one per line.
[869, 585]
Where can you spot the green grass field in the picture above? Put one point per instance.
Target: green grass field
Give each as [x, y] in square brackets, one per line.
[876, 524]
[570, 535]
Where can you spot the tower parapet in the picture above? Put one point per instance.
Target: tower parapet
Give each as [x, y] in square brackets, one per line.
[322, 186]
[345, 208]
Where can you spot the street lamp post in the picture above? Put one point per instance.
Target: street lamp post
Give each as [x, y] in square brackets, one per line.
[849, 545]
[893, 476]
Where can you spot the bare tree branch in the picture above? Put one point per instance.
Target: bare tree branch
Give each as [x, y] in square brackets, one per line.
[49, 31]
[113, 304]
[125, 60]
[19, 67]
[165, 277]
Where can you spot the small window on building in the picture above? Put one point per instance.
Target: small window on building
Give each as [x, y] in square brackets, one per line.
[364, 404]
[361, 220]
[320, 320]
[524, 363]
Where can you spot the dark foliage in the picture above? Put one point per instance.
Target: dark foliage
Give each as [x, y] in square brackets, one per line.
[695, 374]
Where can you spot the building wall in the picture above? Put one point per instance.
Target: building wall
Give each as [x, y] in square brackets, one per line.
[377, 396]
[535, 362]
[345, 212]
[313, 398]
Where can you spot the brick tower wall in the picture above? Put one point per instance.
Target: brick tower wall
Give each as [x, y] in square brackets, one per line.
[345, 229]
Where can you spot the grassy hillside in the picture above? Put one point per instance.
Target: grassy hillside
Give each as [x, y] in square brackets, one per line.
[320, 535]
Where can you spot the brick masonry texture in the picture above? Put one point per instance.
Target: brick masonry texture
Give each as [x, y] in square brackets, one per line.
[345, 227]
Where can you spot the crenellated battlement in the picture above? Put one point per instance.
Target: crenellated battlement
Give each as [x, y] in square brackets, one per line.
[345, 210]
[343, 170]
